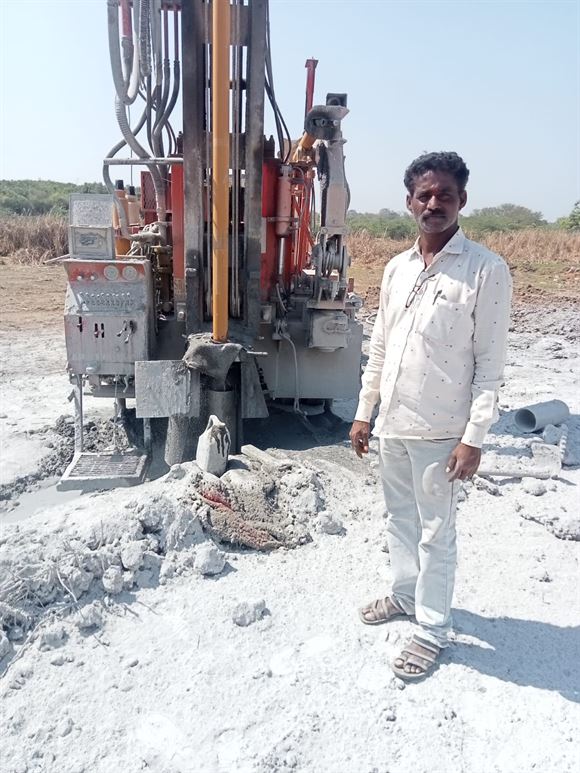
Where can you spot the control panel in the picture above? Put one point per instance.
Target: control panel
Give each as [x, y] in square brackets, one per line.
[108, 315]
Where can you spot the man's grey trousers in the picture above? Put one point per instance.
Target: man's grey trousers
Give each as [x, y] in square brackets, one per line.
[421, 531]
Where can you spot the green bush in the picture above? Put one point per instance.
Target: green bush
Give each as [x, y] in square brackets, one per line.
[400, 225]
[505, 217]
[572, 222]
[39, 197]
[395, 225]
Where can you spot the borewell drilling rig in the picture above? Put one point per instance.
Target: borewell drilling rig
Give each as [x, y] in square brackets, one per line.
[220, 291]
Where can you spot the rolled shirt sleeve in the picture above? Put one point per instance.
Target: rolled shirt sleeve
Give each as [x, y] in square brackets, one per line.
[491, 323]
[371, 379]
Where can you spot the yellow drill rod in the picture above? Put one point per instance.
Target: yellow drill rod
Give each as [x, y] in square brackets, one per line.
[220, 164]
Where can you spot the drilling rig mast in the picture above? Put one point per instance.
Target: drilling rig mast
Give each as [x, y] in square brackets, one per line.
[220, 290]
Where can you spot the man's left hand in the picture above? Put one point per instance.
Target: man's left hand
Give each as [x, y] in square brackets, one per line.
[463, 462]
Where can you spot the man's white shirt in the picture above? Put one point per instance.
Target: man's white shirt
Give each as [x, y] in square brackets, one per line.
[438, 347]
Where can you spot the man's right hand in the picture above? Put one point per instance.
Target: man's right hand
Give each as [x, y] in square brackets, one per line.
[359, 437]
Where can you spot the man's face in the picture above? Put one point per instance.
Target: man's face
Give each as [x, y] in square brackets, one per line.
[435, 202]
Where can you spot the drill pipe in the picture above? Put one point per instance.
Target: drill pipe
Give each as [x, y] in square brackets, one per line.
[220, 165]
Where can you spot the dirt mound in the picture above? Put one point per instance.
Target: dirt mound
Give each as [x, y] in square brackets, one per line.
[261, 507]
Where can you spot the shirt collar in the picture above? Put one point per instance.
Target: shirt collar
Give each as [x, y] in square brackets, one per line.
[454, 246]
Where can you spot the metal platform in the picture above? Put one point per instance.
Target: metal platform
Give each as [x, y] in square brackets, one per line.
[93, 471]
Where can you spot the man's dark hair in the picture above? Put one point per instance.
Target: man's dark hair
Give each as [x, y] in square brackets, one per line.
[448, 162]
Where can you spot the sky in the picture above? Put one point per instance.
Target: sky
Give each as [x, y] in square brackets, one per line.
[498, 82]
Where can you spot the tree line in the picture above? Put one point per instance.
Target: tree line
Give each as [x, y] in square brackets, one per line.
[505, 217]
[38, 197]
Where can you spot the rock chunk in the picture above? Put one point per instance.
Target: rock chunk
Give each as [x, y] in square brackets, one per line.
[64, 727]
[4, 645]
[566, 527]
[541, 575]
[247, 612]
[79, 581]
[52, 637]
[132, 555]
[327, 523]
[209, 560]
[113, 580]
[534, 486]
[89, 617]
[486, 485]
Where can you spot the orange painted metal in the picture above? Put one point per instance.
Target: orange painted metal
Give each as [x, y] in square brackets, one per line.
[220, 165]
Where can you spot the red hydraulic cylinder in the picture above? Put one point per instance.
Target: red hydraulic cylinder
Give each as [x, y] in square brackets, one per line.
[270, 172]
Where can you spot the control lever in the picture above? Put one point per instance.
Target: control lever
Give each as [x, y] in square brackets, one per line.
[128, 329]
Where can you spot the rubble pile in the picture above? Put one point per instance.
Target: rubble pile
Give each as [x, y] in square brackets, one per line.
[260, 502]
[141, 541]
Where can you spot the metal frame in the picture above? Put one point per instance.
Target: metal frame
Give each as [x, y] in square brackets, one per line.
[194, 79]
[249, 28]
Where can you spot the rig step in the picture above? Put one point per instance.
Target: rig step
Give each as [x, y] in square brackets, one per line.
[93, 471]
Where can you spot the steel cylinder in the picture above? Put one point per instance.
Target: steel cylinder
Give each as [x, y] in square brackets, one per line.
[284, 201]
[179, 441]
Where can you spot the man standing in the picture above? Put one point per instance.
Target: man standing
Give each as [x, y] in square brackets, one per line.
[436, 362]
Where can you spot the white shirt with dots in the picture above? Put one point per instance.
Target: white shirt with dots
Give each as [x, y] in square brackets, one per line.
[438, 347]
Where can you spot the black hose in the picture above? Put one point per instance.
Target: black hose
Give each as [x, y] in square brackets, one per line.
[281, 126]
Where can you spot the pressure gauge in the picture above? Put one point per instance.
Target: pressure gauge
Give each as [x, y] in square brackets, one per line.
[129, 273]
[111, 272]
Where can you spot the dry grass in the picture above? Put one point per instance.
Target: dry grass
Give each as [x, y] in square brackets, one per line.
[31, 239]
[542, 262]
[517, 247]
[535, 246]
[367, 250]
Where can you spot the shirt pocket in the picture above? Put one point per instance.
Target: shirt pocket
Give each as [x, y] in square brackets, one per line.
[447, 324]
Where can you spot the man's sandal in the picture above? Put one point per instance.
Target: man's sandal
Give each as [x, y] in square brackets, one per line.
[380, 611]
[419, 653]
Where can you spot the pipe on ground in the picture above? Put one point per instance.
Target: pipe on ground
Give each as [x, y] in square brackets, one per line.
[537, 416]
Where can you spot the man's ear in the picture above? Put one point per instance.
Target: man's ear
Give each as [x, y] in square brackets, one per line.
[408, 202]
[462, 199]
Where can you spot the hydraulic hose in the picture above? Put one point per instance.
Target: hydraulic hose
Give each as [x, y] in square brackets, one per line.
[155, 22]
[164, 121]
[144, 38]
[126, 88]
[139, 150]
[147, 32]
[161, 111]
[107, 177]
[116, 148]
[166, 106]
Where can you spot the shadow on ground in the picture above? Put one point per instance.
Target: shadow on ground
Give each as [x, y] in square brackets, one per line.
[525, 652]
[293, 432]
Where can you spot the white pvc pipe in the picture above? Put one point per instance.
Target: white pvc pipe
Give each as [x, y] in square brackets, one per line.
[535, 417]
